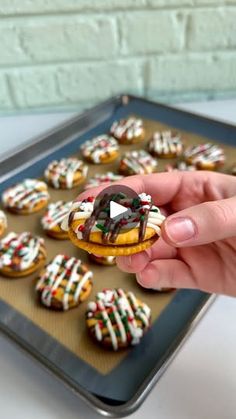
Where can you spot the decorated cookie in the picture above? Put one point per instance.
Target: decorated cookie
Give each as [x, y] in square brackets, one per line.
[3, 222]
[101, 149]
[21, 254]
[66, 173]
[180, 166]
[102, 179]
[137, 162]
[117, 319]
[103, 260]
[128, 131]
[90, 228]
[205, 156]
[51, 221]
[64, 283]
[165, 145]
[26, 197]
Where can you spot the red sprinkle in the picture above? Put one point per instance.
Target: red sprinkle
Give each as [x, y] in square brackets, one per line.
[90, 199]
[81, 227]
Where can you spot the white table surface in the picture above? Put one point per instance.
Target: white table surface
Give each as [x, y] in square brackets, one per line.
[199, 384]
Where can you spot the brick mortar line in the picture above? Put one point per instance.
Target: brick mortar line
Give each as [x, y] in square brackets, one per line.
[114, 12]
[121, 59]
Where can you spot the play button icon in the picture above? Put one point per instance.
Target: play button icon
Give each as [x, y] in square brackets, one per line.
[115, 206]
[118, 211]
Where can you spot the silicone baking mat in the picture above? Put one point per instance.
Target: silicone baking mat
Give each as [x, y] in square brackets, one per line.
[59, 339]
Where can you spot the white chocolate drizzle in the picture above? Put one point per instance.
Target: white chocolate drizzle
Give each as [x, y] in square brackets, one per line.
[127, 128]
[99, 146]
[205, 153]
[138, 162]
[64, 171]
[165, 142]
[103, 179]
[119, 312]
[56, 212]
[63, 269]
[25, 194]
[83, 210]
[20, 251]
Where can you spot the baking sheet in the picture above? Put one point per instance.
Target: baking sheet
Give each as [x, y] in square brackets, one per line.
[68, 328]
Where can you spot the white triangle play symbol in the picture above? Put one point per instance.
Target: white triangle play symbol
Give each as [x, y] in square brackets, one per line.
[116, 210]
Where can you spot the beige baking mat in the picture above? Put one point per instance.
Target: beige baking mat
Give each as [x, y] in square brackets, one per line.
[69, 327]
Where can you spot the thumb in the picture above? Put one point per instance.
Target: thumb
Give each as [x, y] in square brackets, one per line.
[200, 224]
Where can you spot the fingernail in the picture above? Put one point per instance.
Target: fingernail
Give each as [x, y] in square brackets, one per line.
[180, 229]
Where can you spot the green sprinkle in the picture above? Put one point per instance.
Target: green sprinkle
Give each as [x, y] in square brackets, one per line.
[154, 210]
[142, 218]
[101, 227]
[135, 202]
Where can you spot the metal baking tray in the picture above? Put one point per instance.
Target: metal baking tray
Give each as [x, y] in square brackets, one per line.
[122, 390]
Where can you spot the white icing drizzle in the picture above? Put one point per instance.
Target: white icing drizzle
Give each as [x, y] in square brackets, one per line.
[64, 171]
[56, 212]
[99, 146]
[24, 247]
[139, 162]
[205, 153]
[103, 179]
[61, 269]
[126, 311]
[3, 219]
[166, 142]
[155, 218]
[180, 166]
[127, 128]
[25, 194]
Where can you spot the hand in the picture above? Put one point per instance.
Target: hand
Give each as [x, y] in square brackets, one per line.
[198, 244]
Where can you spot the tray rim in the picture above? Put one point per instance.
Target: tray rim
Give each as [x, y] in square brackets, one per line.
[151, 379]
[8, 158]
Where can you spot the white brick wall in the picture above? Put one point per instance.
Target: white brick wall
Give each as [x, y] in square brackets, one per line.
[58, 53]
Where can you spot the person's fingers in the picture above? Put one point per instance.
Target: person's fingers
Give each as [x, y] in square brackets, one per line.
[161, 186]
[184, 188]
[200, 224]
[137, 262]
[170, 273]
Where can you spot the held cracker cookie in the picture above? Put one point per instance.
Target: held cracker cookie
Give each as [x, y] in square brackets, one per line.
[21, 254]
[64, 283]
[90, 227]
[165, 145]
[102, 260]
[117, 319]
[51, 221]
[102, 179]
[101, 149]
[66, 173]
[26, 197]
[205, 156]
[128, 131]
[3, 222]
[137, 162]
